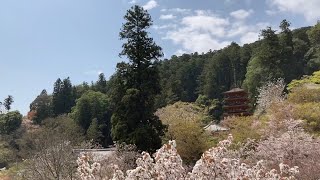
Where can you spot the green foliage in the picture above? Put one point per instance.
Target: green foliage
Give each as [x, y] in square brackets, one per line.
[94, 131]
[42, 105]
[92, 113]
[6, 154]
[314, 34]
[7, 102]
[310, 113]
[101, 84]
[244, 127]
[312, 60]
[304, 95]
[63, 97]
[9, 122]
[64, 126]
[313, 79]
[185, 77]
[210, 105]
[80, 89]
[133, 120]
[185, 125]
[265, 66]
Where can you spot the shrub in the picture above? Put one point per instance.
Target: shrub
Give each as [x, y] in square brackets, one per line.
[304, 94]
[310, 112]
[184, 122]
[6, 154]
[9, 122]
[313, 79]
[243, 127]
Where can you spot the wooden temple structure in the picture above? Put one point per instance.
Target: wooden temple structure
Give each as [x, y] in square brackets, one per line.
[236, 103]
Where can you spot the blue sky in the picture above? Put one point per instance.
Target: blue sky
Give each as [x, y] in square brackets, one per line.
[42, 40]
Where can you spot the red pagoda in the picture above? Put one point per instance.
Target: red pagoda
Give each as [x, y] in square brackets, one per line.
[236, 103]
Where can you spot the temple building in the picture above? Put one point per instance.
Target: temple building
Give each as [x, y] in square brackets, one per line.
[236, 103]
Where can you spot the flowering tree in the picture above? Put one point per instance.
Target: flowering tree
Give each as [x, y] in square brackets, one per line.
[214, 164]
[269, 93]
[285, 140]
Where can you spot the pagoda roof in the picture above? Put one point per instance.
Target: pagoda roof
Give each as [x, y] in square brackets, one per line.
[236, 99]
[235, 90]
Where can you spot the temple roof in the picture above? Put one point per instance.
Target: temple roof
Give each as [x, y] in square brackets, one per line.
[234, 90]
[212, 127]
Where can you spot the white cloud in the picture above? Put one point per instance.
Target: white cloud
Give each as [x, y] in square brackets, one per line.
[205, 21]
[310, 9]
[199, 32]
[133, 2]
[167, 16]
[271, 12]
[166, 26]
[249, 37]
[150, 5]
[176, 10]
[241, 14]
[238, 28]
[194, 41]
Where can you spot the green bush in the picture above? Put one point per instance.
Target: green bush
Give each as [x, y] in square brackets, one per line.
[304, 94]
[310, 112]
[6, 154]
[243, 127]
[313, 79]
[184, 121]
[9, 122]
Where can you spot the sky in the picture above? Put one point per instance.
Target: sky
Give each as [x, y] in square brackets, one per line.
[42, 40]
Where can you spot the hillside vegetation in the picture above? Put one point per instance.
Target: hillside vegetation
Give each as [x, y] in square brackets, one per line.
[148, 102]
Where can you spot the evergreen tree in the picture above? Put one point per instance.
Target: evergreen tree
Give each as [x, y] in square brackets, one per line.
[67, 95]
[133, 120]
[101, 84]
[57, 103]
[8, 102]
[312, 57]
[94, 133]
[289, 64]
[233, 51]
[266, 64]
[63, 97]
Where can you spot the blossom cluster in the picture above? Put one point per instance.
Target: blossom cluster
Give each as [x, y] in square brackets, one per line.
[214, 164]
[87, 170]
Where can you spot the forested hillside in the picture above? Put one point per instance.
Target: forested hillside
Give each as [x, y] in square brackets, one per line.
[138, 109]
[286, 54]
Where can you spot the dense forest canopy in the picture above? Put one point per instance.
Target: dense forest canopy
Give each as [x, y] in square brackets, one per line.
[287, 54]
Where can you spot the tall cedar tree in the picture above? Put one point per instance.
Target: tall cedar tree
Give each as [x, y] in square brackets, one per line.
[266, 64]
[101, 84]
[63, 98]
[133, 120]
[290, 66]
[8, 102]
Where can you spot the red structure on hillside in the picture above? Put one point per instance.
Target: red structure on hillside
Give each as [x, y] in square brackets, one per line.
[236, 103]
